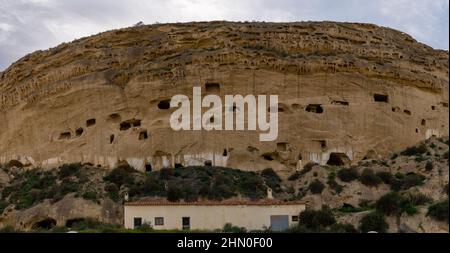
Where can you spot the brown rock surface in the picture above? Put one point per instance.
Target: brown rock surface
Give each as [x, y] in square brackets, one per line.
[90, 100]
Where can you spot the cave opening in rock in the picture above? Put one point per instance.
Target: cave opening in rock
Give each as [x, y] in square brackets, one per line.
[407, 112]
[148, 167]
[79, 132]
[15, 163]
[45, 224]
[380, 98]
[268, 156]
[90, 122]
[111, 139]
[338, 159]
[314, 108]
[282, 146]
[115, 117]
[143, 135]
[125, 126]
[75, 222]
[212, 87]
[424, 122]
[164, 104]
[225, 152]
[65, 136]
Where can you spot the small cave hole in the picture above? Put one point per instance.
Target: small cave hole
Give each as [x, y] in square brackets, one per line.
[407, 112]
[125, 126]
[380, 98]
[111, 139]
[79, 132]
[424, 122]
[65, 136]
[338, 159]
[164, 104]
[212, 87]
[143, 135]
[45, 224]
[314, 108]
[225, 152]
[148, 167]
[90, 122]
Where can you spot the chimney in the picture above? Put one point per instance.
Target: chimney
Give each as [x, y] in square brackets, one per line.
[269, 193]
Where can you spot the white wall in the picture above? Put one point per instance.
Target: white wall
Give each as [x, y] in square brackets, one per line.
[251, 217]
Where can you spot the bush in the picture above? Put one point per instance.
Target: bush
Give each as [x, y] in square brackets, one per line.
[418, 199]
[122, 175]
[439, 211]
[166, 173]
[348, 175]
[67, 170]
[343, 228]
[368, 178]
[113, 192]
[386, 177]
[429, 166]
[390, 204]
[317, 219]
[229, 228]
[373, 222]
[272, 179]
[307, 168]
[174, 193]
[3, 205]
[90, 196]
[405, 182]
[333, 184]
[414, 151]
[316, 187]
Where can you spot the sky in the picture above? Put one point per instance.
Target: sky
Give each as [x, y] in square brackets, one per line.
[29, 25]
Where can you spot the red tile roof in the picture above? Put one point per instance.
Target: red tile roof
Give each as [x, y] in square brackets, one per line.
[164, 202]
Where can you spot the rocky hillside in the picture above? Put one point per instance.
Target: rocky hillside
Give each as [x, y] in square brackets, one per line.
[344, 89]
[408, 192]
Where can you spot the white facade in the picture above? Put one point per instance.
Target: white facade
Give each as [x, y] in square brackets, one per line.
[213, 215]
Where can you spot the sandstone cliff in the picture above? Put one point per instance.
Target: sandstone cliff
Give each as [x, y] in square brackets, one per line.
[345, 90]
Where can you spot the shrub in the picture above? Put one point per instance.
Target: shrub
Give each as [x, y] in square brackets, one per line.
[166, 173]
[414, 151]
[373, 222]
[252, 186]
[386, 177]
[317, 219]
[368, 178]
[316, 186]
[90, 195]
[418, 199]
[348, 175]
[390, 204]
[333, 184]
[272, 179]
[3, 205]
[113, 191]
[122, 175]
[229, 228]
[439, 211]
[67, 170]
[174, 193]
[343, 228]
[307, 168]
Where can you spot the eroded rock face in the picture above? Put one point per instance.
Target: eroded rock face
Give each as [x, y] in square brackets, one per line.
[348, 89]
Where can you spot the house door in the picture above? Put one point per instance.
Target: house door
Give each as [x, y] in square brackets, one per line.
[279, 222]
[186, 222]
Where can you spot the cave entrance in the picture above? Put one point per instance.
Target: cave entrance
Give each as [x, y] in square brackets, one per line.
[148, 167]
[75, 222]
[45, 224]
[314, 108]
[164, 104]
[65, 136]
[380, 98]
[338, 159]
[79, 132]
[143, 135]
[90, 122]
[212, 87]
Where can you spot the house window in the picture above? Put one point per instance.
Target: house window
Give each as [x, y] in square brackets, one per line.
[295, 218]
[137, 222]
[159, 221]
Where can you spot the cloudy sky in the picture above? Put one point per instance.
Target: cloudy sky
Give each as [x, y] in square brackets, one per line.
[29, 25]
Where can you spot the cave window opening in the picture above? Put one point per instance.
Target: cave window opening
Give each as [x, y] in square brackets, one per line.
[338, 159]
[143, 135]
[433, 107]
[125, 126]
[178, 165]
[65, 136]
[212, 87]
[282, 146]
[148, 167]
[45, 224]
[164, 104]
[323, 144]
[344, 103]
[380, 98]
[111, 139]
[79, 132]
[90, 122]
[314, 108]
[225, 152]
[424, 122]
[417, 130]
[407, 112]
